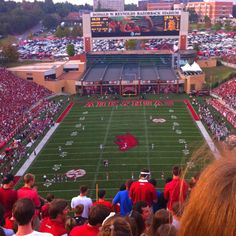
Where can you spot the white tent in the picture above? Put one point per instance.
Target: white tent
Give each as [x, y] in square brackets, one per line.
[195, 67]
[186, 68]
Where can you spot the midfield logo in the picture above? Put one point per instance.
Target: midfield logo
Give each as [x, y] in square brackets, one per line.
[126, 141]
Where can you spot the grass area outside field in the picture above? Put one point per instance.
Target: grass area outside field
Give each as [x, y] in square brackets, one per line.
[102, 125]
[217, 74]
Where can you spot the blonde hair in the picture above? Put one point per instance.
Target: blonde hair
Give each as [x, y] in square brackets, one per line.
[116, 226]
[29, 177]
[211, 207]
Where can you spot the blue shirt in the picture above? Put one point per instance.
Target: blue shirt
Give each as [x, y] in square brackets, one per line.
[122, 197]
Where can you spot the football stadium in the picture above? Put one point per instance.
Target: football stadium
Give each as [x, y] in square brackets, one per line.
[92, 123]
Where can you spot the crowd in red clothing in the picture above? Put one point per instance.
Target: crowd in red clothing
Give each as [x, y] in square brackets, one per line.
[41, 118]
[92, 218]
[17, 97]
[227, 92]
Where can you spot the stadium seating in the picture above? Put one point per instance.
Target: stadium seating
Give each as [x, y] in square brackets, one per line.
[17, 98]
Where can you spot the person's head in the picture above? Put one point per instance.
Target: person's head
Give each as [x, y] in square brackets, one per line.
[211, 209]
[144, 173]
[8, 180]
[122, 187]
[58, 210]
[153, 182]
[176, 171]
[160, 217]
[101, 193]
[129, 183]
[97, 214]
[83, 190]
[49, 197]
[23, 211]
[29, 179]
[79, 209]
[177, 209]
[116, 226]
[70, 224]
[140, 225]
[166, 230]
[143, 209]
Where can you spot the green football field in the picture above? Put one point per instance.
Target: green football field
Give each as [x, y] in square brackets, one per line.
[84, 129]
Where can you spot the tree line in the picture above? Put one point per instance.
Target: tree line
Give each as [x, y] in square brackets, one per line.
[16, 18]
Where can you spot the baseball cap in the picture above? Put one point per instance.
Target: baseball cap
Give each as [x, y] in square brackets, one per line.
[7, 179]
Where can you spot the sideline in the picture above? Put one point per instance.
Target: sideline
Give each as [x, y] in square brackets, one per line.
[40, 146]
[208, 139]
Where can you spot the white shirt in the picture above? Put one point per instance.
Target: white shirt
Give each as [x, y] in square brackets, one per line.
[86, 201]
[36, 233]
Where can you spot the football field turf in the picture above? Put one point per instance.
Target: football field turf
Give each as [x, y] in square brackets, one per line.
[84, 129]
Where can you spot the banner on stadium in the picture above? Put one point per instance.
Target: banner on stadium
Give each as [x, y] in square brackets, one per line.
[136, 13]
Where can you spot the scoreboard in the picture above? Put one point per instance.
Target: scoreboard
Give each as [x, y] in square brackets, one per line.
[99, 24]
[135, 25]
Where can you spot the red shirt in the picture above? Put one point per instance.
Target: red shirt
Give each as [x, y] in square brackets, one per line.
[175, 191]
[7, 199]
[53, 227]
[142, 190]
[84, 230]
[30, 193]
[44, 210]
[105, 203]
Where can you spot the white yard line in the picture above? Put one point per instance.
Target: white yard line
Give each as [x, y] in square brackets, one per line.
[146, 138]
[40, 146]
[208, 139]
[104, 144]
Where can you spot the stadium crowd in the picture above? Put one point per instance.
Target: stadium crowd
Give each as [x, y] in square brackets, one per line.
[39, 122]
[17, 98]
[216, 126]
[139, 209]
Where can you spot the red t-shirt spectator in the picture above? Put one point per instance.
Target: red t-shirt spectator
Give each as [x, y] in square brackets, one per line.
[175, 191]
[53, 227]
[44, 210]
[105, 203]
[84, 230]
[142, 190]
[7, 199]
[30, 193]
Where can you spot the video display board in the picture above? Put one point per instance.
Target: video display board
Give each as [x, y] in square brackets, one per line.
[133, 25]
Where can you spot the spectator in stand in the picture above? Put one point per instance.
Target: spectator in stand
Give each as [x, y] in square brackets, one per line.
[82, 199]
[101, 200]
[116, 226]
[161, 204]
[28, 191]
[177, 211]
[97, 215]
[140, 225]
[55, 223]
[211, 208]
[45, 207]
[8, 195]
[160, 217]
[80, 220]
[23, 212]
[166, 230]
[142, 190]
[122, 198]
[176, 190]
[145, 211]
[4, 231]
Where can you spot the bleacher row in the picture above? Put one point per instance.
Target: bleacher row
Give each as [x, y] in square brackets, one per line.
[130, 71]
[226, 104]
[17, 97]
